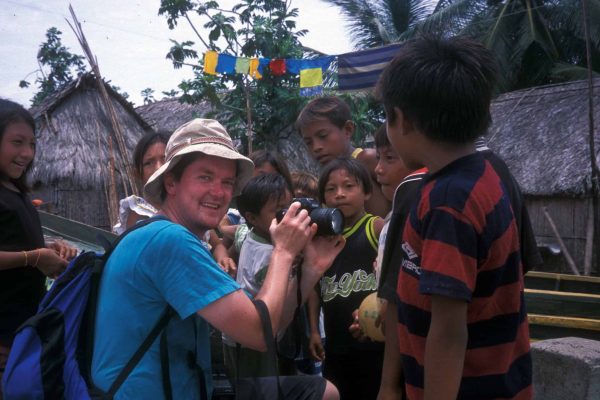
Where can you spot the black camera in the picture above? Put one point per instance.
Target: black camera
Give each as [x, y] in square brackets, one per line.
[330, 221]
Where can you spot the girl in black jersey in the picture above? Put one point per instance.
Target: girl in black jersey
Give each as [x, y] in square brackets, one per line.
[353, 366]
[25, 260]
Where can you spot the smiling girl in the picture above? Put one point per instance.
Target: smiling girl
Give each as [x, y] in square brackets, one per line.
[25, 261]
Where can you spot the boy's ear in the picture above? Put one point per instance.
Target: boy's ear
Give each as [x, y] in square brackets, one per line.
[401, 121]
[348, 129]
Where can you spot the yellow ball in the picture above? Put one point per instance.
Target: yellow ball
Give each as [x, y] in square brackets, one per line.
[367, 314]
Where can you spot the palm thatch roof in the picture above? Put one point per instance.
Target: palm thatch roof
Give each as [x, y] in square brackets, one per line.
[170, 114]
[542, 133]
[73, 134]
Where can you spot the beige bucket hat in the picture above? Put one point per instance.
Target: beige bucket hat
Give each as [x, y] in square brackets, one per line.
[205, 136]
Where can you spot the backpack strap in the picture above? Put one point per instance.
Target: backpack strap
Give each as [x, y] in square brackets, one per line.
[139, 353]
[265, 320]
[164, 366]
[87, 342]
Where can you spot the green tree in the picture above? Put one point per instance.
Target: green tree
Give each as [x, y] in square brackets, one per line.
[373, 23]
[57, 64]
[535, 41]
[252, 28]
[148, 95]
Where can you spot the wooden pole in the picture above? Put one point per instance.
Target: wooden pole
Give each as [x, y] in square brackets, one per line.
[562, 245]
[595, 171]
[248, 116]
[589, 240]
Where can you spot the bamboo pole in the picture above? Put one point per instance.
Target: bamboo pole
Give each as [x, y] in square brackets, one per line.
[122, 161]
[589, 240]
[562, 245]
[595, 170]
[248, 116]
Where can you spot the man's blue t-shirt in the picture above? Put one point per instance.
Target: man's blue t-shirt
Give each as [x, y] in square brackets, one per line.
[158, 264]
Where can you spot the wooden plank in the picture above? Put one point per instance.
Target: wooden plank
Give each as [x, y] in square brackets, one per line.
[562, 304]
[543, 327]
[586, 324]
[562, 282]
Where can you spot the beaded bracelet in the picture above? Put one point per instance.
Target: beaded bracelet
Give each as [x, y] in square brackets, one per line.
[26, 263]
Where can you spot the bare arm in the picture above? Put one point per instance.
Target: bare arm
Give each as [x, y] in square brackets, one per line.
[391, 384]
[221, 255]
[48, 261]
[316, 349]
[235, 314]
[445, 348]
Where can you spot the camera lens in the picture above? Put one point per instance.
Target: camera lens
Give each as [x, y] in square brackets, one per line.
[329, 220]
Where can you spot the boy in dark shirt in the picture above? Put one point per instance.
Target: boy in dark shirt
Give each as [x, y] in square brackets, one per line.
[462, 326]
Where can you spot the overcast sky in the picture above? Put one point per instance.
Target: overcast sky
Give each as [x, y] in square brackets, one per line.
[129, 38]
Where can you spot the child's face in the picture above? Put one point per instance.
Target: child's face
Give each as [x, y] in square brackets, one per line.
[343, 191]
[262, 221]
[17, 149]
[390, 171]
[325, 141]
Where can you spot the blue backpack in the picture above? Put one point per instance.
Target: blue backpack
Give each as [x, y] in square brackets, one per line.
[52, 352]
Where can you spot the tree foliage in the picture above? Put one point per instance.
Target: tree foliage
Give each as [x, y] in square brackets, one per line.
[535, 41]
[58, 66]
[251, 28]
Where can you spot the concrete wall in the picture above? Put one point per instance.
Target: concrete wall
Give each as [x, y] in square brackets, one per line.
[566, 369]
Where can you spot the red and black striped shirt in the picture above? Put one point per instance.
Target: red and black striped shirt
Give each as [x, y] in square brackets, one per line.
[461, 241]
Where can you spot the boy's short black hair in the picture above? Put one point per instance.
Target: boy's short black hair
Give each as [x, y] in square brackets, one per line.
[381, 138]
[353, 167]
[330, 108]
[442, 86]
[258, 191]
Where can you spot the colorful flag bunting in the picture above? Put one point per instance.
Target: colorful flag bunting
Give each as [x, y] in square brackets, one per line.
[361, 69]
[356, 70]
[210, 62]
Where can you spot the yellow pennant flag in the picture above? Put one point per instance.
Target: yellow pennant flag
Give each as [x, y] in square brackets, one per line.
[254, 63]
[210, 62]
[311, 77]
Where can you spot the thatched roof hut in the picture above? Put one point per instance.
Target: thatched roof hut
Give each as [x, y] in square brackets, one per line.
[543, 135]
[70, 169]
[170, 114]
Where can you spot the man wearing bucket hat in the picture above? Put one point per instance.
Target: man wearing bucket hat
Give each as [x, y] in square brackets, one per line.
[164, 264]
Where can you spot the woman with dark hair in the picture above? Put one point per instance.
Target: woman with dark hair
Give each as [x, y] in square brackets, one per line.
[25, 260]
[148, 156]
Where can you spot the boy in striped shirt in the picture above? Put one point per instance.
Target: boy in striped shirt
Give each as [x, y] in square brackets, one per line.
[462, 327]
